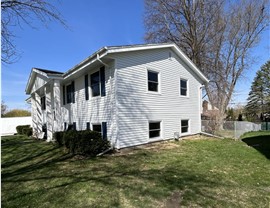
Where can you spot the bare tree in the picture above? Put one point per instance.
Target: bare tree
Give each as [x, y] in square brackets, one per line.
[216, 35]
[18, 12]
[3, 108]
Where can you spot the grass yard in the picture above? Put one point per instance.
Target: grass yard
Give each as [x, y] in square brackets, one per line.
[189, 173]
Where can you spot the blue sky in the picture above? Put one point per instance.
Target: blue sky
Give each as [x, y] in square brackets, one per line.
[92, 25]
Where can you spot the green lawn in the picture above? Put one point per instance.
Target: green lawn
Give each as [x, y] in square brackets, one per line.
[189, 173]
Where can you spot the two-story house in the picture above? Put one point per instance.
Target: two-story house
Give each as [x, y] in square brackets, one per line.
[131, 94]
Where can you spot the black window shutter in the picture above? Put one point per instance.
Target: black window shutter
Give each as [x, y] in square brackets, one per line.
[104, 130]
[73, 92]
[74, 125]
[64, 95]
[102, 81]
[65, 126]
[86, 87]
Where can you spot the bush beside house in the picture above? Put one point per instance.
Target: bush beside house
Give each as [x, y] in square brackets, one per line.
[24, 130]
[82, 142]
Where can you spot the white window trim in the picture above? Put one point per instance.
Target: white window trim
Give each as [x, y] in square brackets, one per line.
[159, 81]
[161, 131]
[188, 132]
[183, 96]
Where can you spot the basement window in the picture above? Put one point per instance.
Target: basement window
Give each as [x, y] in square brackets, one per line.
[154, 129]
[184, 126]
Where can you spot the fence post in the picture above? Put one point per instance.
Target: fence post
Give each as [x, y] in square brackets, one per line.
[235, 130]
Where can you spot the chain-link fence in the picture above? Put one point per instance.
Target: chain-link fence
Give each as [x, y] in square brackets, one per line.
[265, 126]
[230, 129]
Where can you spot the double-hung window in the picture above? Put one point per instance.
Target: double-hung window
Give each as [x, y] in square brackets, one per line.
[71, 93]
[152, 81]
[183, 87]
[101, 128]
[98, 83]
[184, 126]
[154, 129]
[95, 86]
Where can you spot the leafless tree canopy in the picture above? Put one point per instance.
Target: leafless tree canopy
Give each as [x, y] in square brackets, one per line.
[217, 36]
[19, 12]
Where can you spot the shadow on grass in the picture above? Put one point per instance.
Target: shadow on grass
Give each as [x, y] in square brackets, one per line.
[30, 156]
[172, 183]
[143, 178]
[261, 143]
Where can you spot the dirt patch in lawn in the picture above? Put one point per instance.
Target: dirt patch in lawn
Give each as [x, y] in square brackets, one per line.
[174, 200]
[157, 146]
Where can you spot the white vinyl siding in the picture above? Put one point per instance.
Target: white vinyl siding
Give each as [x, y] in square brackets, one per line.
[135, 107]
[95, 110]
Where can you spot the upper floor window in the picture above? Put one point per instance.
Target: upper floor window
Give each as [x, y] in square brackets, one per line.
[43, 103]
[71, 93]
[152, 81]
[98, 82]
[183, 87]
[95, 86]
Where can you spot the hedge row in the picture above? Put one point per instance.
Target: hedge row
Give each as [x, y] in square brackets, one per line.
[82, 142]
[24, 130]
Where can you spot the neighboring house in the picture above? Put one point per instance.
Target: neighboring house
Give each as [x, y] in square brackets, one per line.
[131, 94]
[209, 111]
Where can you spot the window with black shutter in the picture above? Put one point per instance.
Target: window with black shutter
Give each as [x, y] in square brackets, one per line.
[98, 83]
[95, 84]
[69, 93]
[43, 103]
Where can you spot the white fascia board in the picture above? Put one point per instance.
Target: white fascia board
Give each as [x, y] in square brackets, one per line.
[82, 67]
[138, 48]
[40, 72]
[88, 61]
[30, 81]
[28, 100]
